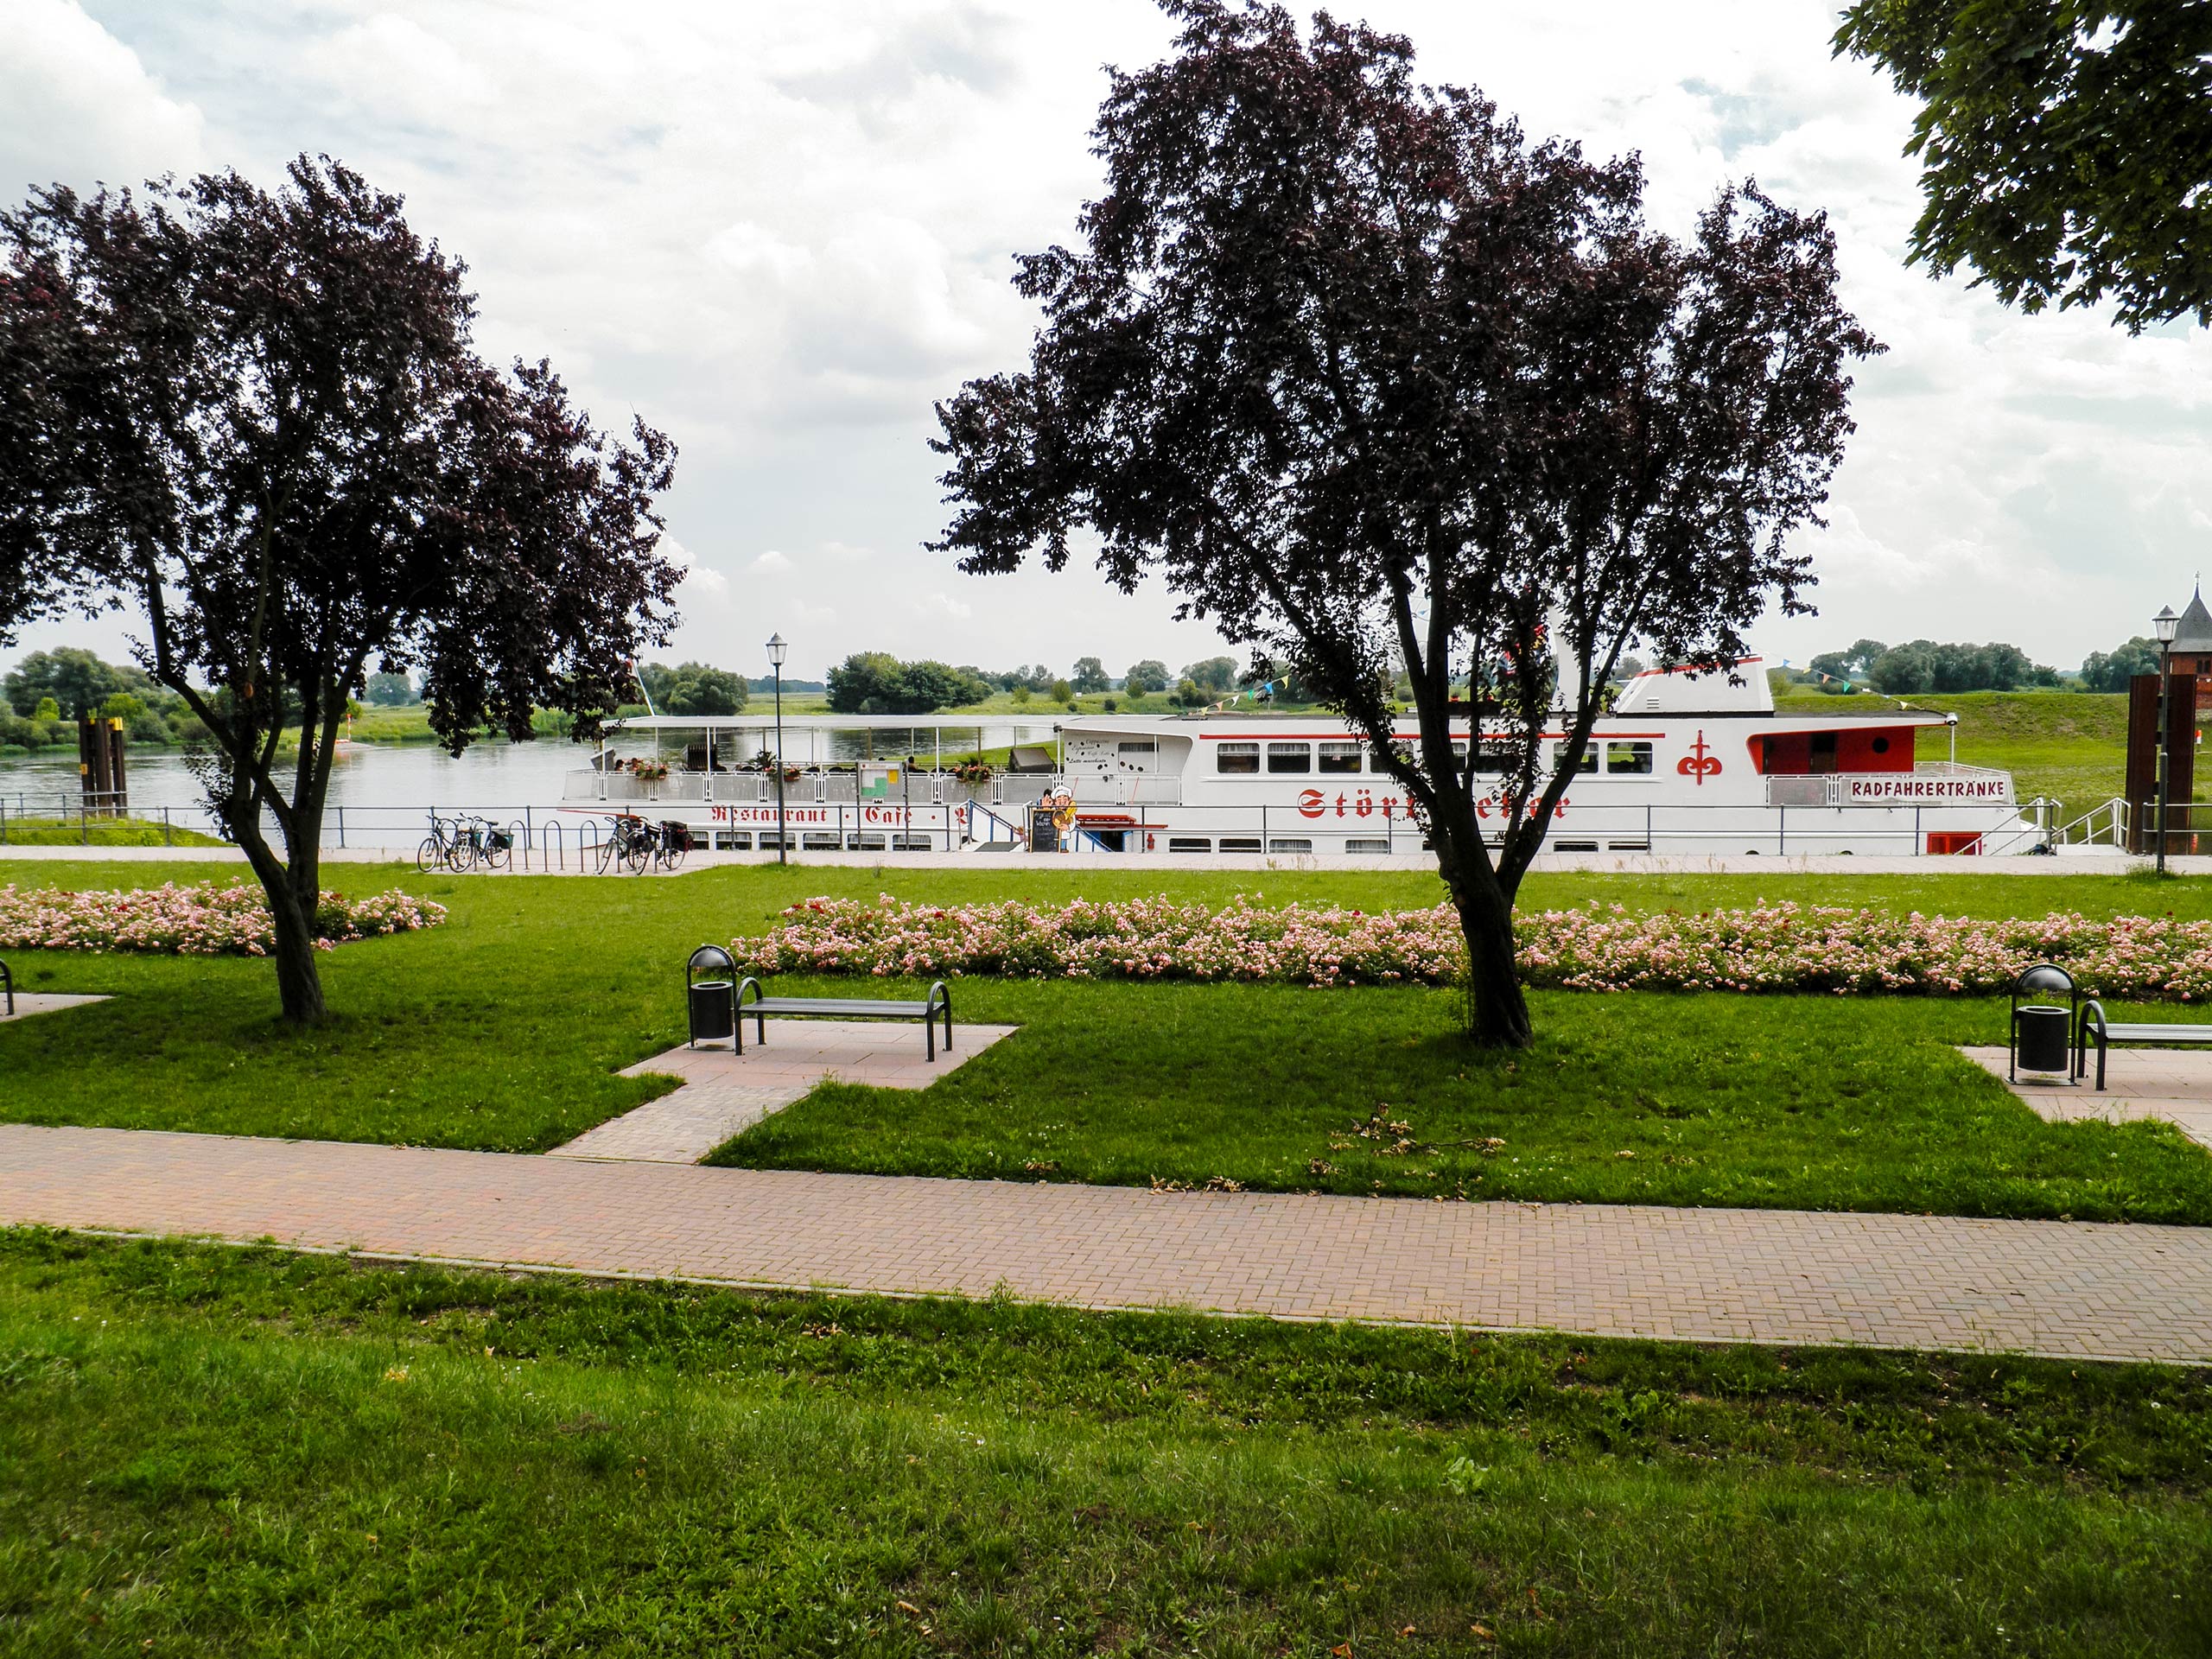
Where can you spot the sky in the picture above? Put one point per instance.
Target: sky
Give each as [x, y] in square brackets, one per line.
[780, 232]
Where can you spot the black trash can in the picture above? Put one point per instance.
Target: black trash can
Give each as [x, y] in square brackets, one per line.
[2043, 1034]
[713, 1000]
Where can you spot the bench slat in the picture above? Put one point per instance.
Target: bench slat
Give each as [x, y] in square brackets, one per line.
[833, 1005]
[2158, 1034]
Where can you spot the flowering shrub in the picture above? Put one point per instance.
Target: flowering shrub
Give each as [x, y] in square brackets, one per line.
[1783, 947]
[196, 921]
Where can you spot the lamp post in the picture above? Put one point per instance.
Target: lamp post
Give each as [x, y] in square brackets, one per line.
[2164, 625]
[777, 652]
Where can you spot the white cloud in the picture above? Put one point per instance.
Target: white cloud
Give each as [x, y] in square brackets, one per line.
[781, 232]
[77, 105]
[945, 606]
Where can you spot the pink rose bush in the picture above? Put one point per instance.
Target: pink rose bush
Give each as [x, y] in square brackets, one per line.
[1782, 947]
[193, 921]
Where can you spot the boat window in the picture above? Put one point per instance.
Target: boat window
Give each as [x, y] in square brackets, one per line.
[1588, 763]
[1240, 843]
[1148, 745]
[1634, 757]
[1282, 844]
[1495, 758]
[1236, 757]
[1290, 757]
[1363, 844]
[1189, 844]
[1339, 757]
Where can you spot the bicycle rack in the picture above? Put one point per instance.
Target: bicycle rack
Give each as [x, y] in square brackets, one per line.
[550, 838]
[518, 842]
[589, 828]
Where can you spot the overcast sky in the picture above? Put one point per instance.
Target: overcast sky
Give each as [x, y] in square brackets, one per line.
[781, 231]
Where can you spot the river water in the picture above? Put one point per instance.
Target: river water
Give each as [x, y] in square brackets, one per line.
[386, 791]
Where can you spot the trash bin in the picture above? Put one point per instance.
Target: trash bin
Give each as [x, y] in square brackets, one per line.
[2042, 1033]
[713, 1010]
[2041, 1038]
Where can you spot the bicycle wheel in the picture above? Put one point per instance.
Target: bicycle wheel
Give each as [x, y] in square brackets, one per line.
[639, 854]
[671, 856]
[462, 858]
[496, 854]
[428, 855]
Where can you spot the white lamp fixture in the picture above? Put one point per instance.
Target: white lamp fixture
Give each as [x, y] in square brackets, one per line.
[2164, 625]
[777, 650]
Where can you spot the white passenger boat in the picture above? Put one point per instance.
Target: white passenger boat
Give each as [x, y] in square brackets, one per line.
[1685, 764]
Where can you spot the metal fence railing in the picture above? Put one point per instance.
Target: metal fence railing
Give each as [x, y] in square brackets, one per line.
[573, 837]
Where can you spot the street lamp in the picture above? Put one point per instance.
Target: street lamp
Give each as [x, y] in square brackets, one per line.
[777, 652]
[2164, 625]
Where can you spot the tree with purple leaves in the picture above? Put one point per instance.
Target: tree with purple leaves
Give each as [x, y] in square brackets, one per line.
[1391, 393]
[258, 420]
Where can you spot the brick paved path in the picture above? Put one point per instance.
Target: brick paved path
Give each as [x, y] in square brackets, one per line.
[2069, 1289]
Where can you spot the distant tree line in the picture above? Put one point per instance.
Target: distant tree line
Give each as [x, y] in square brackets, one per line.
[1920, 665]
[48, 690]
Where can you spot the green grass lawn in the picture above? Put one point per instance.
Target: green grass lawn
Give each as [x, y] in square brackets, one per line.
[215, 1452]
[505, 1028]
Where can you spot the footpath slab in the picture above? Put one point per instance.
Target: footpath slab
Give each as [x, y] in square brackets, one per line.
[2071, 1290]
[2161, 1085]
[725, 1093]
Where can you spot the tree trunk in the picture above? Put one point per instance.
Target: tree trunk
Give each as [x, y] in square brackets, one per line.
[1498, 1011]
[299, 983]
[292, 891]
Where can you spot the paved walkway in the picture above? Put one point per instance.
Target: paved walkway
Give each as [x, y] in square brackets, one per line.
[725, 1094]
[2166, 1086]
[30, 1002]
[2074, 1290]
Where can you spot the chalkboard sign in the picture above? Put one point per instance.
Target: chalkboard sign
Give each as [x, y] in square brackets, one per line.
[1043, 832]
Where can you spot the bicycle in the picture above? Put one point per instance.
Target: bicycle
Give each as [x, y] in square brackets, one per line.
[446, 844]
[494, 846]
[632, 842]
[670, 844]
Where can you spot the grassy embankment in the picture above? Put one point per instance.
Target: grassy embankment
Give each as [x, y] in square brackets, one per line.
[215, 1452]
[2071, 746]
[504, 1029]
[17, 831]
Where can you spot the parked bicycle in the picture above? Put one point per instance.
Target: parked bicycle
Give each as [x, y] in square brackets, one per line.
[448, 844]
[637, 843]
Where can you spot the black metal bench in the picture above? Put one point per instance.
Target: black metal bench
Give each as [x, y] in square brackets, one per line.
[841, 1007]
[2148, 1034]
[8, 984]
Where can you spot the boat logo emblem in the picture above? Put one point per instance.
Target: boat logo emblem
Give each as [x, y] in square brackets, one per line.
[1700, 763]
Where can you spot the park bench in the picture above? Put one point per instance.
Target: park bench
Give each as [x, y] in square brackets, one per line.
[2094, 1027]
[843, 1007]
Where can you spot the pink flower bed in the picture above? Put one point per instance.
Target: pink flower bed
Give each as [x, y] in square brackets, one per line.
[196, 921]
[1785, 947]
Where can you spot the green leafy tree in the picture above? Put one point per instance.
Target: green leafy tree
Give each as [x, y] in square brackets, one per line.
[263, 425]
[1372, 380]
[694, 689]
[1090, 675]
[1215, 674]
[390, 691]
[876, 682]
[1061, 691]
[78, 681]
[2112, 671]
[1149, 675]
[2065, 145]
